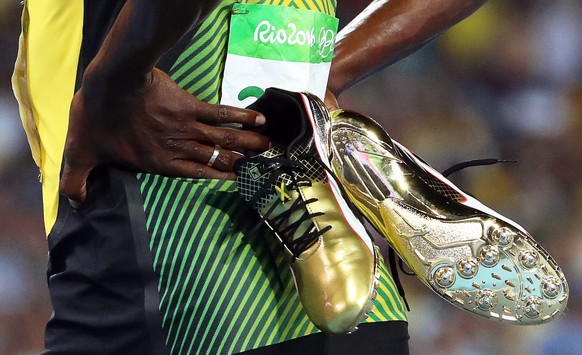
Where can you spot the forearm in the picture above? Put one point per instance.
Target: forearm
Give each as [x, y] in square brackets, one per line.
[142, 32]
[389, 30]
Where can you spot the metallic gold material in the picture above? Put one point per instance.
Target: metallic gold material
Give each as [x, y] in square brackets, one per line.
[440, 231]
[489, 255]
[444, 276]
[503, 237]
[529, 258]
[337, 273]
[533, 305]
[551, 287]
[486, 299]
[467, 267]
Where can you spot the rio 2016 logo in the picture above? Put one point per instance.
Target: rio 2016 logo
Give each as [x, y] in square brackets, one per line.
[265, 32]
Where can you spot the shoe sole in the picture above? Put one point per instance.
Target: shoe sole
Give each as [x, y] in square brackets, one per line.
[468, 254]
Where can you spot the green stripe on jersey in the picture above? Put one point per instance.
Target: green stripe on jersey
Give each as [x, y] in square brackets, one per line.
[200, 67]
[222, 289]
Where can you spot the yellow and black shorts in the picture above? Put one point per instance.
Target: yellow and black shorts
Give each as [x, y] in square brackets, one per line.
[125, 279]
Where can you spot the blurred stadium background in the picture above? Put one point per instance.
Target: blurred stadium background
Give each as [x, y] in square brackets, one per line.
[506, 83]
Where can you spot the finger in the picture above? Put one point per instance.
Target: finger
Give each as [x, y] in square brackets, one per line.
[226, 159]
[195, 170]
[222, 114]
[214, 156]
[220, 158]
[235, 139]
[73, 183]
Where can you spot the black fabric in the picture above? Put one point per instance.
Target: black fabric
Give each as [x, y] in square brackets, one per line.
[388, 338]
[100, 283]
[284, 115]
[103, 287]
[98, 17]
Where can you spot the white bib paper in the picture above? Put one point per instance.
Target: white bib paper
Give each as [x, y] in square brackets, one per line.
[276, 46]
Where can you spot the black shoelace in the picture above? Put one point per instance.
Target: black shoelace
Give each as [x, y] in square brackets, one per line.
[470, 163]
[298, 244]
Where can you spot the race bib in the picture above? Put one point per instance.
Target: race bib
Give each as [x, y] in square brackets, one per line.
[276, 46]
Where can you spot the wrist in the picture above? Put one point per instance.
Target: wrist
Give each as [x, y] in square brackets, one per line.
[100, 81]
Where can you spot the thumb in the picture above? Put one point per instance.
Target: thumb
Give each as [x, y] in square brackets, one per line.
[73, 183]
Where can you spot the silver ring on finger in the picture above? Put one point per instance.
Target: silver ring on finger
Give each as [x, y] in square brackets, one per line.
[213, 156]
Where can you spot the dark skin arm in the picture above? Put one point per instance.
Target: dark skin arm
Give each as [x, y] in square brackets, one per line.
[129, 114]
[387, 31]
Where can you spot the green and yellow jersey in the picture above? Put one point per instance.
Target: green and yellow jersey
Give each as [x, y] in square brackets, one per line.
[221, 290]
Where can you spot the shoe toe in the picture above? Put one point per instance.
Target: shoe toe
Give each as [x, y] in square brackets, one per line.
[337, 284]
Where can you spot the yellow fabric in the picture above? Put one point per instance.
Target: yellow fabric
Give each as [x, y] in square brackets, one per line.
[325, 6]
[20, 87]
[470, 41]
[44, 83]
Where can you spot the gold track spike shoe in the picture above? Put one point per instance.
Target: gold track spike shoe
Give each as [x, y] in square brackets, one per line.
[470, 255]
[333, 260]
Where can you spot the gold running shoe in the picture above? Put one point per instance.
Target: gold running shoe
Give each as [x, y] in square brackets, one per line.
[332, 258]
[467, 253]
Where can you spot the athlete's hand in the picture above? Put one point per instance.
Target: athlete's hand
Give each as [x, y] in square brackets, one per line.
[157, 128]
[331, 100]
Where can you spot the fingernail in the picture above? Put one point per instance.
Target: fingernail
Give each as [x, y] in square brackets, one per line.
[260, 120]
[75, 204]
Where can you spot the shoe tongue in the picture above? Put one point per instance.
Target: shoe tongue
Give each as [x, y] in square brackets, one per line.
[285, 115]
